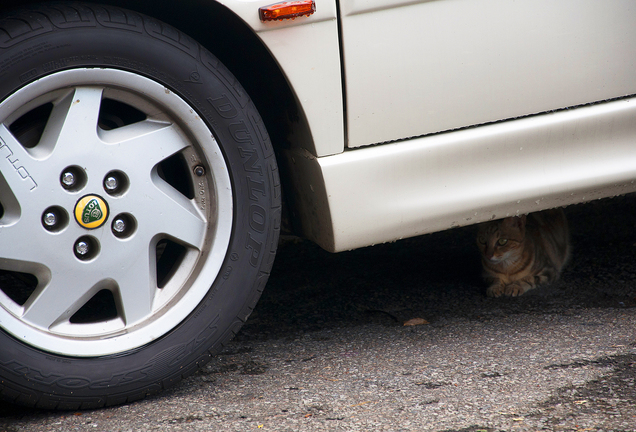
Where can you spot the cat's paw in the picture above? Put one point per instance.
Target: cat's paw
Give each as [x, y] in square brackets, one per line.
[516, 289]
[495, 290]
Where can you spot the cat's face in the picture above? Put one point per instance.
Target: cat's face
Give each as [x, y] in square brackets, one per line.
[502, 240]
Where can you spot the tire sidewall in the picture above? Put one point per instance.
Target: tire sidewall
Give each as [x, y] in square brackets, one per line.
[83, 37]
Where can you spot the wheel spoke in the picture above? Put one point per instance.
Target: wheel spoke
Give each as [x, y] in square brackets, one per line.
[72, 123]
[137, 287]
[58, 300]
[145, 143]
[181, 219]
[26, 244]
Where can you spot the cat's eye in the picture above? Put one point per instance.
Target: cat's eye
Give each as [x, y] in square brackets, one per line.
[481, 240]
[502, 242]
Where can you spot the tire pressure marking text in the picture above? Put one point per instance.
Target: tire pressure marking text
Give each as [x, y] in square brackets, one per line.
[64, 62]
[6, 151]
[201, 190]
[202, 195]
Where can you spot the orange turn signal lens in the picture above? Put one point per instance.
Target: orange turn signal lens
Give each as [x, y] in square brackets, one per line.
[287, 10]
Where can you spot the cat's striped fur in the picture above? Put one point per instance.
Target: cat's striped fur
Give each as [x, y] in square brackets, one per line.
[520, 253]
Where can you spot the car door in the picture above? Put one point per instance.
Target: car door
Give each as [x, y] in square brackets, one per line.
[414, 68]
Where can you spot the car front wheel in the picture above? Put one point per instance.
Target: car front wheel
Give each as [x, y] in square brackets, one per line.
[139, 206]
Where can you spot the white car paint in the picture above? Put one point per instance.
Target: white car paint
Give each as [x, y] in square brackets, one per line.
[385, 193]
[419, 67]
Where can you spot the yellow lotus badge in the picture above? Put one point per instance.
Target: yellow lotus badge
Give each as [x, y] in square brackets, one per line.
[91, 211]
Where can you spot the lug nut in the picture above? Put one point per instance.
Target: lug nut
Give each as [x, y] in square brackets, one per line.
[111, 183]
[68, 178]
[199, 170]
[124, 226]
[54, 219]
[81, 247]
[50, 219]
[119, 225]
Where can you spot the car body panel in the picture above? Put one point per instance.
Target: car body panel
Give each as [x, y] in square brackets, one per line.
[384, 193]
[307, 50]
[414, 68]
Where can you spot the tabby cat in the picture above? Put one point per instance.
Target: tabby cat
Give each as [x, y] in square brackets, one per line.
[522, 252]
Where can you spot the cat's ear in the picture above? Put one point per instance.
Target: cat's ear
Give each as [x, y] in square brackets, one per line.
[522, 221]
[516, 222]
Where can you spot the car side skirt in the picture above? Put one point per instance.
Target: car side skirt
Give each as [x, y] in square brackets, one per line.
[393, 191]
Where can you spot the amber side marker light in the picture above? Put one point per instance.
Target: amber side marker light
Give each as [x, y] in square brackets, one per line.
[287, 10]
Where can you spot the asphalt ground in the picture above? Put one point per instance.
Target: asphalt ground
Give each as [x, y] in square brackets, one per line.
[327, 349]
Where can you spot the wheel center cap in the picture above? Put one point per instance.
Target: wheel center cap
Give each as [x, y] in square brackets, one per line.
[91, 211]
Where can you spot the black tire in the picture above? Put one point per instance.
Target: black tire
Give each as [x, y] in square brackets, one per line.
[43, 40]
